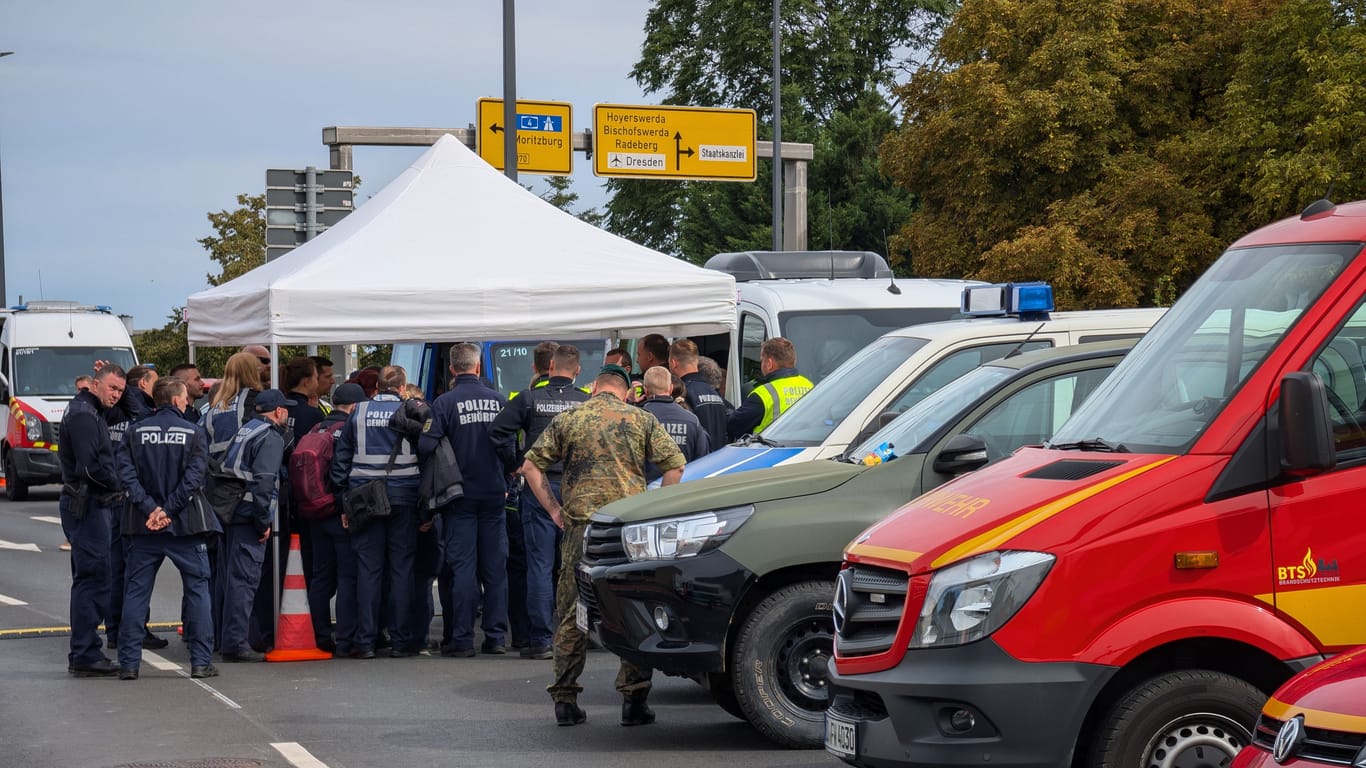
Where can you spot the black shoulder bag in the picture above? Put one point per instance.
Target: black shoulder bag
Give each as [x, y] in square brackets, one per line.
[370, 500]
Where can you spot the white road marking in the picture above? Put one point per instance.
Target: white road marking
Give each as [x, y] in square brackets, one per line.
[161, 663]
[11, 601]
[231, 704]
[47, 519]
[297, 755]
[22, 547]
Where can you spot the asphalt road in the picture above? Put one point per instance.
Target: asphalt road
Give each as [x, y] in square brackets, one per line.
[422, 711]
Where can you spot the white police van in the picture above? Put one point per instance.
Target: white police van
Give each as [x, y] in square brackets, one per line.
[901, 368]
[829, 304]
[44, 346]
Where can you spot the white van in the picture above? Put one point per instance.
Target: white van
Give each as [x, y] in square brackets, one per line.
[901, 368]
[829, 304]
[44, 346]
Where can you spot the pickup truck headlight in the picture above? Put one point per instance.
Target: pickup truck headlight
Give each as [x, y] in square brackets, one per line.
[969, 600]
[684, 536]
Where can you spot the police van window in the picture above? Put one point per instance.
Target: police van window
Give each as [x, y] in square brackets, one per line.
[1340, 364]
[1030, 416]
[753, 333]
[826, 339]
[956, 365]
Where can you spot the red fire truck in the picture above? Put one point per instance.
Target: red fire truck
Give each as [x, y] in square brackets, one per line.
[1129, 593]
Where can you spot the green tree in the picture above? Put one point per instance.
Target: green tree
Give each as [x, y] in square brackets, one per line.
[1071, 141]
[566, 199]
[838, 58]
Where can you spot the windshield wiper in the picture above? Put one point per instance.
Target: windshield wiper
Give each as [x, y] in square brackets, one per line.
[1094, 444]
[760, 439]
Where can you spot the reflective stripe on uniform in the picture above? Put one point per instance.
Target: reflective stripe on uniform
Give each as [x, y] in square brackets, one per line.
[368, 466]
[779, 395]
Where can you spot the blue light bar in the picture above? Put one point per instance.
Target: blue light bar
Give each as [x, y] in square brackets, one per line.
[1030, 301]
[1030, 298]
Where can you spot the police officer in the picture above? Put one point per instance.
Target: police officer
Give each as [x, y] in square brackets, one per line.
[365, 450]
[531, 592]
[134, 405]
[706, 403]
[776, 390]
[604, 445]
[90, 493]
[162, 464]
[473, 528]
[681, 424]
[194, 387]
[254, 455]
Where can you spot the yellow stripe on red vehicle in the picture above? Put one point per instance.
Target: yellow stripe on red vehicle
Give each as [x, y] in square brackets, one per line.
[1008, 530]
[1316, 718]
[883, 553]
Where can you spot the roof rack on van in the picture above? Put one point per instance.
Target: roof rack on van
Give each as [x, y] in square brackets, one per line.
[775, 265]
[60, 306]
[1030, 301]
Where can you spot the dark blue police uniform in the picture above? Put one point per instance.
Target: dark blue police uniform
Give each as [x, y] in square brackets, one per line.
[254, 455]
[220, 425]
[120, 416]
[87, 458]
[682, 425]
[532, 602]
[162, 463]
[711, 409]
[473, 528]
[362, 455]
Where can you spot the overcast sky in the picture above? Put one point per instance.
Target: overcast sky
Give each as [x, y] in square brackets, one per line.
[123, 124]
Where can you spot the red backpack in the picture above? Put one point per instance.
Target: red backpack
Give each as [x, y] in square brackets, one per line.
[309, 466]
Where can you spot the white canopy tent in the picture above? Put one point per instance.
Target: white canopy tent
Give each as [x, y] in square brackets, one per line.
[452, 249]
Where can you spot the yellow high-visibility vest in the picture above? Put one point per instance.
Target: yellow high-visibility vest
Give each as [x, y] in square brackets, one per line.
[779, 395]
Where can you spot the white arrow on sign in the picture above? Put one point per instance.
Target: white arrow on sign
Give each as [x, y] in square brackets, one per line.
[23, 547]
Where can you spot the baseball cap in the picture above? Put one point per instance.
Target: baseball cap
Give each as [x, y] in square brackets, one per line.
[271, 399]
[348, 394]
[616, 370]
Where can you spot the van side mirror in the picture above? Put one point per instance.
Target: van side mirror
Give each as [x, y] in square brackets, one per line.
[963, 453]
[1305, 425]
[4, 390]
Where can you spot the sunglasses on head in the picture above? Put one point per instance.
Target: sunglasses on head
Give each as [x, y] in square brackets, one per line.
[264, 360]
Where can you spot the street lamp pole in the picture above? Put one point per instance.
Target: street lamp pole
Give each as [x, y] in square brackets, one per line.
[777, 128]
[2, 225]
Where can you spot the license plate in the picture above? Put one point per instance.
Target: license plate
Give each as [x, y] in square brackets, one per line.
[581, 616]
[841, 738]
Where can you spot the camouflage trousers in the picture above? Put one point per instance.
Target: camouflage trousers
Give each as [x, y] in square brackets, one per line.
[570, 645]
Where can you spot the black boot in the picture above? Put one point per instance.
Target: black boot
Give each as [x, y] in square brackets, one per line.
[569, 713]
[635, 711]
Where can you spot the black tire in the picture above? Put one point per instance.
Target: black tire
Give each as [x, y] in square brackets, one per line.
[1193, 717]
[780, 664]
[722, 690]
[15, 489]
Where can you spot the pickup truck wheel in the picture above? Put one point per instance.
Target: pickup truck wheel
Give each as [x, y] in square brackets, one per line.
[722, 689]
[780, 664]
[1184, 719]
[15, 489]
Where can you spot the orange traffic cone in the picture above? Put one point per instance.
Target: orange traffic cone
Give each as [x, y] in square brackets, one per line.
[294, 635]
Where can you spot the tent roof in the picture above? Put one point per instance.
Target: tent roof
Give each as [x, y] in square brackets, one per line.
[452, 249]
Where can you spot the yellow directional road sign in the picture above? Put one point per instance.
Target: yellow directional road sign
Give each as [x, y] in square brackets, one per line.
[647, 142]
[543, 140]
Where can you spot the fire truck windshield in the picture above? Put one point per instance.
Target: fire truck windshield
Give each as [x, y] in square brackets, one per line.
[1178, 378]
[53, 370]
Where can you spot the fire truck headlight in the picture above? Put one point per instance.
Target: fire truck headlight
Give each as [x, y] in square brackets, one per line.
[33, 427]
[969, 600]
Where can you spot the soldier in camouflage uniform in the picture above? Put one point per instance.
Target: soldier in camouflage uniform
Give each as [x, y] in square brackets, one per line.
[604, 444]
